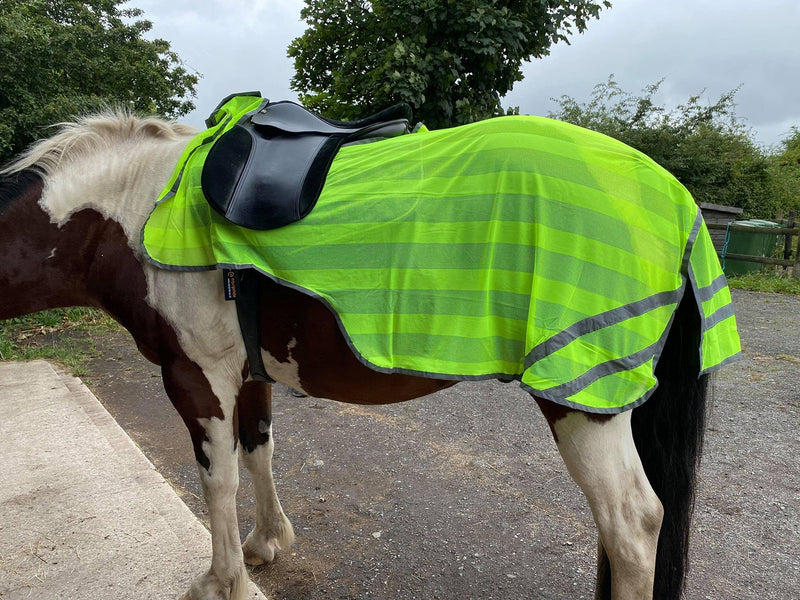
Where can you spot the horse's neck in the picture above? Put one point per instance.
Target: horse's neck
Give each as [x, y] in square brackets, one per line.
[121, 183]
[75, 240]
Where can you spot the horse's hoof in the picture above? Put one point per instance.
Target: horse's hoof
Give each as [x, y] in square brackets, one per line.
[232, 586]
[258, 554]
[261, 545]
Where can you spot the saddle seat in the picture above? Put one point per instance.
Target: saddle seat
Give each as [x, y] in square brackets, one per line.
[268, 170]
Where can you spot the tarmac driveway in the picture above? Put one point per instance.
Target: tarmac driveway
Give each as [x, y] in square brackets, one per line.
[463, 495]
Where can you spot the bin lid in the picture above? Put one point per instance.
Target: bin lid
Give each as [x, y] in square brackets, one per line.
[757, 223]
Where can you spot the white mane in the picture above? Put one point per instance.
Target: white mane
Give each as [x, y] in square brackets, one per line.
[91, 133]
[113, 162]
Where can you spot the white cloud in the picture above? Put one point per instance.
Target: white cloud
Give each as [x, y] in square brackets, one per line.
[237, 45]
[695, 44]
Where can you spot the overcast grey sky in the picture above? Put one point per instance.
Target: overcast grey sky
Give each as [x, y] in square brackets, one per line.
[714, 45]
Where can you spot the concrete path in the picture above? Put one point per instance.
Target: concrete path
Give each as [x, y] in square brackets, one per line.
[83, 513]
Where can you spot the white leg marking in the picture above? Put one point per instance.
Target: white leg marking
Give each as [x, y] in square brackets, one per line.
[227, 577]
[602, 459]
[273, 531]
[209, 334]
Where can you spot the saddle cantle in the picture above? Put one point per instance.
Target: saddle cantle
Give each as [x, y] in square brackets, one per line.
[268, 170]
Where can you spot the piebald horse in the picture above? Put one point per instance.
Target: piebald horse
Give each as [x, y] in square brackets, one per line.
[72, 210]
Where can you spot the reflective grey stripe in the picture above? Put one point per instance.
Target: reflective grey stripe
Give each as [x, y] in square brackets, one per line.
[707, 293]
[613, 410]
[731, 359]
[700, 312]
[718, 315]
[687, 252]
[614, 366]
[610, 317]
[610, 367]
[619, 314]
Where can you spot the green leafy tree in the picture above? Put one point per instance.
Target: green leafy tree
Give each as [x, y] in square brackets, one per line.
[790, 149]
[785, 171]
[59, 58]
[703, 144]
[451, 60]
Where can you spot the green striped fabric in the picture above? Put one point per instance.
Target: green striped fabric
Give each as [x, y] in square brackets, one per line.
[518, 247]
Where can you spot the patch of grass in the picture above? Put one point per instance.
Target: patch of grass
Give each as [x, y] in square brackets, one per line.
[789, 358]
[766, 282]
[63, 335]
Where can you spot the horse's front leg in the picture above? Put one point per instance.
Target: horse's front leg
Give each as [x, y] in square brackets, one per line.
[272, 531]
[206, 402]
[601, 457]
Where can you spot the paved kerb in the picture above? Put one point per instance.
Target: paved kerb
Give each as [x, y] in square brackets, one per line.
[83, 513]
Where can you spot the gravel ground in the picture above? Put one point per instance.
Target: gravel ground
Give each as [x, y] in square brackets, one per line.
[463, 495]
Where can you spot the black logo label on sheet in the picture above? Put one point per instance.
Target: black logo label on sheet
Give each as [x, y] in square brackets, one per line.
[229, 283]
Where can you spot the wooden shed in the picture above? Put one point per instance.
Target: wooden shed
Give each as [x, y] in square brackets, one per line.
[719, 214]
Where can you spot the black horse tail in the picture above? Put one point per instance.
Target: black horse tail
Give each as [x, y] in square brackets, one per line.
[668, 431]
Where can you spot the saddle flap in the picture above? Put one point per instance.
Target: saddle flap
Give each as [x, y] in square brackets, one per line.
[224, 167]
[263, 183]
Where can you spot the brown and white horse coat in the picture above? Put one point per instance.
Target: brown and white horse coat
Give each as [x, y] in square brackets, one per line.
[71, 215]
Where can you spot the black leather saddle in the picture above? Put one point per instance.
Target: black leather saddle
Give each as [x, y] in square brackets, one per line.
[268, 170]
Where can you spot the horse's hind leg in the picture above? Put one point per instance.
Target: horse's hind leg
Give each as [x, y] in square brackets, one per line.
[273, 531]
[602, 459]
